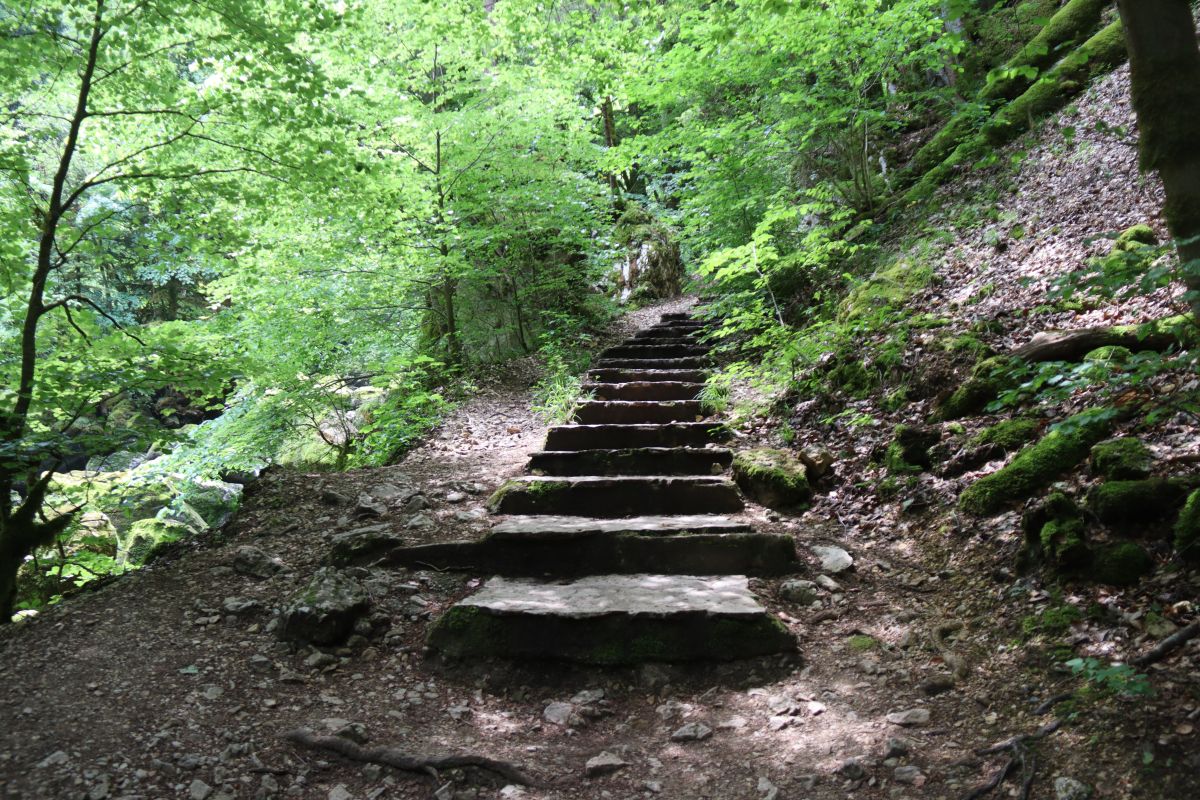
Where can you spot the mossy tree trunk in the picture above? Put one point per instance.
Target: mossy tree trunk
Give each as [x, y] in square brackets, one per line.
[1164, 59]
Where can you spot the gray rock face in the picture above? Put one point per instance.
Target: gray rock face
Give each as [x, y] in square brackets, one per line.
[326, 610]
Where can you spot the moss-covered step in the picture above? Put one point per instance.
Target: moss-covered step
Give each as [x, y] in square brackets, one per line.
[661, 341]
[618, 375]
[680, 317]
[655, 351]
[619, 496]
[638, 412]
[632, 461]
[575, 554]
[653, 363]
[611, 620]
[611, 437]
[644, 390]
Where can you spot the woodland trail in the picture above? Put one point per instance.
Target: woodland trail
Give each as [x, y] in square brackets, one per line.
[174, 682]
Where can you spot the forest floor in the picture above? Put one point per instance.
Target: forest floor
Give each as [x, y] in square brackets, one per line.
[171, 682]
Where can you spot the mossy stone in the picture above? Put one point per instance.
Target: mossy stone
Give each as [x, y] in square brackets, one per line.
[890, 287]
[1054, 534]
[774, 478]
[138, 544]
[988, 378]
[1187, 529]
[1124, 503]
[1109, 354]
[1120, 564]
[1011, 434]
[909, 450]
[1122, 459]
[1136, 237]
[1036, 466]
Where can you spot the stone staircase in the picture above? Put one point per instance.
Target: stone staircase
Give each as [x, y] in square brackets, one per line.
[614, 550]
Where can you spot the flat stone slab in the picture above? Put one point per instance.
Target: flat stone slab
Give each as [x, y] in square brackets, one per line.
[632, 461]
[638, 412]
[615, 437]
[618, 375]
[578, 553]
[611, 620]
[644, 390]
[654, 363]
[553, 525]
[655, 350]
[621, 496]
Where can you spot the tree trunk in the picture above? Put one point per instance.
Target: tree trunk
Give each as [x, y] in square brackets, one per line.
[1164, 61]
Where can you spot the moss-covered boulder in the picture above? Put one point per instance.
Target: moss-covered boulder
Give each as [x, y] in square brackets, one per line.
[909, 450]
[1127, 503]
[774, 478]
[1108, 354]
[139, 543]
[1124, 459]
[1009, 434]
[1136, 237]
[1035, 467]
[1187, 529]
[215, 501]
[988, 378]
[1055, 534]
[1120, 564]
[889, 287]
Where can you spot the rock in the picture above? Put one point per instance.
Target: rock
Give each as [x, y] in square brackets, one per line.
[692, 732]
[909, 450]
[418, 502]
[773, 478]
[897, 747]
[937, 684]
[913, 716]
[368, 506]
[1066, 788]
[1125, 459]
[1120, 564]
[562, 714]
[340, 792]
[393, 494]
[100, 789]
[240, 605]
[828, 584]
[1133, 504]
[588, 697]
[455, 497]
[769, 790]
[474, 515]
[215, 501]
[833, 559]
[908, 774]
[1187, 529]
[331, 498]
[419, 522]
[817, 460]
[362, 545]
[673, 709]
[852, 769]
[798, 591]
[604, 764]
[251, 561]
[199, 790]
[55, 759]
[326, 610]
[654, 787]
[141, 541]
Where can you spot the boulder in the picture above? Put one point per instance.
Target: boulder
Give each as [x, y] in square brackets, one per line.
[362, 545]
[138, 543]
[1187, 529]
[909, 450]
[214, 501]
[1125, 459]
[251, 561]
[325, 611]
[774, 478]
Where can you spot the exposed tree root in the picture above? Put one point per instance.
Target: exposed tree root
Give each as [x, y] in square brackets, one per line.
[392, 757]
[1168, 645]
[1019, 760]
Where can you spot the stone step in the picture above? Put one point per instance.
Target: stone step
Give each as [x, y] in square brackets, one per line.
[688, 334]
[611, 620]
[644, 390]
[653, 363]
[680, 317]
[637, 412]
[632, 461]
[664, 341]
[616, 437]
[574, 553]
[616, 496]
[616, 375]
[655, 351]
[678, 523]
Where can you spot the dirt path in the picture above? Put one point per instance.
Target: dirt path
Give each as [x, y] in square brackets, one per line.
[172, 683]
